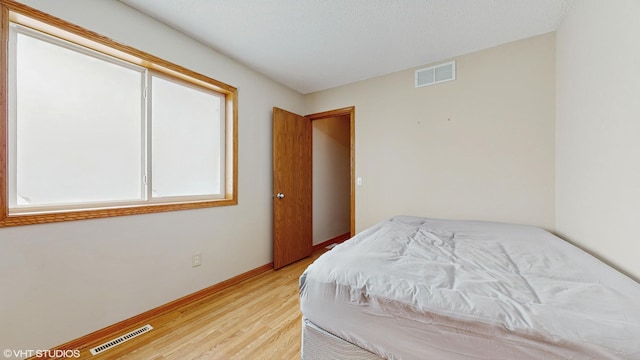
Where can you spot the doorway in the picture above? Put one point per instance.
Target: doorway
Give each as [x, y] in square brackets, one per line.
[292, 194]
[331, 180]
[347, 114]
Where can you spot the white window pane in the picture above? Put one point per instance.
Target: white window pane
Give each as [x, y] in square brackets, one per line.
[186, 140]
[79, 133]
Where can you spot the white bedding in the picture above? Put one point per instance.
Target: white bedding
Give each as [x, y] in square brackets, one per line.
[415, 288]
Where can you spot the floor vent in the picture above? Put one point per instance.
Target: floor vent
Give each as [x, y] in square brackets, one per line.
[117, 341]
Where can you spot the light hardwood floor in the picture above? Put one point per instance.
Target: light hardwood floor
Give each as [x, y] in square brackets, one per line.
[258, 318]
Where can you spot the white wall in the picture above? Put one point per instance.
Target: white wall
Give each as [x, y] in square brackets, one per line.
[598, 130]
[480, 147]
[331, 178]
[65, 280]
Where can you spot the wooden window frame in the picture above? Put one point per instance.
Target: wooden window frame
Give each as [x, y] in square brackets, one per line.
[12, 11]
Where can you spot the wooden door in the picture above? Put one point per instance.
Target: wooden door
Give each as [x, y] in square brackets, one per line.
[292, 190]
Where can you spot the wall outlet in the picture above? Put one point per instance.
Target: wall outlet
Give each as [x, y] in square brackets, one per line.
[196, 259]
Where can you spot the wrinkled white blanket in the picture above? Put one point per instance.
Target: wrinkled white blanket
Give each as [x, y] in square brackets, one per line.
[416, 288]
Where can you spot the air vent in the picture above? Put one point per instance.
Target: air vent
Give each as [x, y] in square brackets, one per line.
[436, 74]
[117, 341]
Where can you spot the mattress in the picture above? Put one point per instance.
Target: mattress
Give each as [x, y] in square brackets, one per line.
[416, 288]
[318, 344]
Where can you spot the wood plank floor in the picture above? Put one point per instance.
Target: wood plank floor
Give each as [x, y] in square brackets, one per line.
[257, 319]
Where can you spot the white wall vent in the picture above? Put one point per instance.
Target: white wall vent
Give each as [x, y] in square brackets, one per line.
[117, 341]
[436, 74]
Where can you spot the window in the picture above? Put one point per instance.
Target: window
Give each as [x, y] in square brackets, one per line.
[176, 172]
[95, 129]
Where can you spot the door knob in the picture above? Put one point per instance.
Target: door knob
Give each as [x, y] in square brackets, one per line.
[280, 196]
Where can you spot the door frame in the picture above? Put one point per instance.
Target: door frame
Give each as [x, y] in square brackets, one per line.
[351, 111]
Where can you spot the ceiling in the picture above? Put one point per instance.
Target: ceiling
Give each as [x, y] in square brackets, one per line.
[312, 45]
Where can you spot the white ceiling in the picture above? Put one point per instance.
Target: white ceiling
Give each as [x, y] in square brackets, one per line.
[311, 45]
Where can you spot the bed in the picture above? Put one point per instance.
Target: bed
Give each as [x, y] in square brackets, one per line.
[418, 288]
